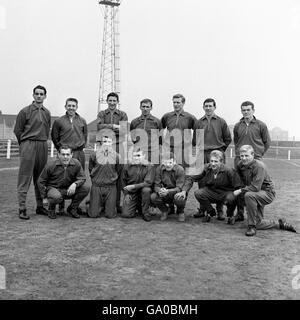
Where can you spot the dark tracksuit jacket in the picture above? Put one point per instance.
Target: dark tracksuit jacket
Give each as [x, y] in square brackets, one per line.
[216, 134]
[147, 123]
[255, 134]
[73, 134]
[181, 121]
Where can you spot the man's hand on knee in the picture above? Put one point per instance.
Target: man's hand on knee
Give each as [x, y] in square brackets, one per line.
[72, 189]
[180, 195]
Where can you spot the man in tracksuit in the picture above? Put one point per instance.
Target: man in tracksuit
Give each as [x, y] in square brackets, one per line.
[104, 170]
[71, 130]
[63, 178]
[218, 183]
[257, 191]
[169, 180]
[136, 180]
[149, 139]
[32, 130]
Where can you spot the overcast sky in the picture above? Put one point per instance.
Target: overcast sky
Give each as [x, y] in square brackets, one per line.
[230, 50]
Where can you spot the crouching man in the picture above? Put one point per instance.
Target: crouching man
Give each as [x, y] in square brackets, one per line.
[258, 191]
[169, 180]
[219, 182]
[136, 181]
[63, 178]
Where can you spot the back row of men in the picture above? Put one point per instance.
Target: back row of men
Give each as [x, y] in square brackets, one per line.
[33, 126]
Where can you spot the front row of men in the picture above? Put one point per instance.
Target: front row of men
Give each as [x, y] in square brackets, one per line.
[161, 186]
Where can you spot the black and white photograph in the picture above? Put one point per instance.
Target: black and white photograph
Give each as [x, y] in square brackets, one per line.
[149, 151]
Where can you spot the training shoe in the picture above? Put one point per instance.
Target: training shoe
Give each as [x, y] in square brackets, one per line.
[152, 211]
[52, 214]
[251, 231]
[61, 208]
[146, 217]
[172, 209]
[119, 209]
[283, 225]
[221, 216]
[206, 218]
[199, 214]
[212, 212]
[164, 215]
[231, 220]
[73, 212]
[23, 215]
[239, 217]
[181, 217]
[41, 210]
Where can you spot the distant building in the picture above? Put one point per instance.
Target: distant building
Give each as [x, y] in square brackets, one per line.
[277, 134]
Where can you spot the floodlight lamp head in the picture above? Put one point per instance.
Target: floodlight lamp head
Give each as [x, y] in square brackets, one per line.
[110, 3]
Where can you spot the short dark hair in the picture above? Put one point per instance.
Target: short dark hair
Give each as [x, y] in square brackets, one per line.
[40, 87]
[209, 100]
[65, 147]
[72, 99]
[179, 95]
[146, 101]
[112, 94]
[247, 103]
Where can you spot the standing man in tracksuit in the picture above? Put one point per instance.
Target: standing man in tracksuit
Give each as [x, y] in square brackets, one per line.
[71, 130]
[32, 131]
[253, 132]
[152, 126]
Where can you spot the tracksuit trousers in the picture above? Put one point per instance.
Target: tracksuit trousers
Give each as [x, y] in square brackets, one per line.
[134, 201]
[33, 158]
[56, 196]
[103, 198]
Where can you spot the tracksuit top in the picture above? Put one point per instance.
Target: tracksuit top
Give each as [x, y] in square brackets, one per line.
[104, 167]
[255, 177]
[216, 133]
[73, 134]
[225, 179]
[172, 180]
[255, 134]
[33, 123]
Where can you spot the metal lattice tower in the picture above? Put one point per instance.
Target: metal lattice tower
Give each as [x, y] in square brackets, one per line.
[110, 57]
